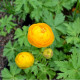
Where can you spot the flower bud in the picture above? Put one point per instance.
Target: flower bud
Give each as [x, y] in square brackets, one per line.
[48, 53]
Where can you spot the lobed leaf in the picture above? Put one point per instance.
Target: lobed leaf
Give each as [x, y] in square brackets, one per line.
[21, 35]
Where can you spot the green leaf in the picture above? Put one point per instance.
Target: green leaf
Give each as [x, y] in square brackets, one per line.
[5, 73]
[42, 76]
[27, 70]
[7, 23]
[68, 3]
[14, 70]
[57, 56]
[36, 8]
[51, 3]
[13, 74]
[35, 3]
[73, 32]
[21, 35]
[20, 77]
[40, 70]
[9, 50]
[29, 74]
[21, 8]
[3, 33]
[59, 19]
[69, 69]
[44, 71]
[35, 51]
[35, 70]
[48, 18]
[61, 28]
[56, 34]
[36, 14]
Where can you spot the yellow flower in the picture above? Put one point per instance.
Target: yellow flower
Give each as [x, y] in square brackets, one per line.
[24, 60]
[40, 35]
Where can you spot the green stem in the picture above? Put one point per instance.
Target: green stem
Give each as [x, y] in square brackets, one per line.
[76, 9]
[42, 49]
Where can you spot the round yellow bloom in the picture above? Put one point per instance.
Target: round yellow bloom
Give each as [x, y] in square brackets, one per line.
[24, 60]
[40, 35]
